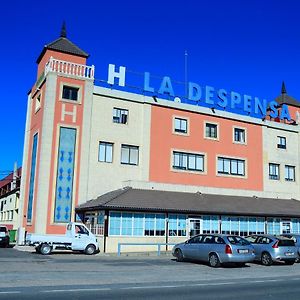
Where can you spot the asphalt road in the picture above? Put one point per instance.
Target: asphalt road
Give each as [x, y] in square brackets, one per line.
[27, 275]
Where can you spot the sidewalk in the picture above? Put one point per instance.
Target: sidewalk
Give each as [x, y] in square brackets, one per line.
[124, 254]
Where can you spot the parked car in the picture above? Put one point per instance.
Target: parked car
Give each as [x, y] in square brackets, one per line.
[215, 249]
[4, 236]
[270, 248]
[296, 238]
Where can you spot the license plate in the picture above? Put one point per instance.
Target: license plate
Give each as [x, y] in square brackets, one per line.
[289, 253]
[243, 251]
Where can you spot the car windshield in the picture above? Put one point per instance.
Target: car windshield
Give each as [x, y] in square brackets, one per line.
[236, 240]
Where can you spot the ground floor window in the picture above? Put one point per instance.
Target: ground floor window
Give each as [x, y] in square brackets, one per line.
[210, 224]
[242, 226]
[295, 225]
[177, 225]
[273, 225]
[137, 224]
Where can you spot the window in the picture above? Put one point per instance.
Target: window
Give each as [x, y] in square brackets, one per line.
[289, 173]
[281, 143]
[177, 225]
[188, 161]
[211, 130]
[242, 226]
[274, 171]
[105, 152]
[210, 224]
[120, 116]
[180, 125]
[70, 93]
[129, 155]
[38, 103]
[231, 166]
[273, 226]
[239, 135]
[137, 224]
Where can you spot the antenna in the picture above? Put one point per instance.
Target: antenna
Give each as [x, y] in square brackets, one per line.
[185, 72]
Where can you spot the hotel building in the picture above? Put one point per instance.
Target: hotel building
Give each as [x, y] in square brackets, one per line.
[147, 167]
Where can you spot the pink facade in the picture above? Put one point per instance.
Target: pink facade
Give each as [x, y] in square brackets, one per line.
[164, 140]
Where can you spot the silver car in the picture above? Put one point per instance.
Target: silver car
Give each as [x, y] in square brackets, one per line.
[270, 248]
[215, 249]
[296, 238]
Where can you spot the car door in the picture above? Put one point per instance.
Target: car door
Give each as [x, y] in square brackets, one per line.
[191, 248]
[206, 246]
[81, 238]
[260, 245]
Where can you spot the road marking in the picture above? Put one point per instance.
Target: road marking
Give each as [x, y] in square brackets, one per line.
[165, 286]
[12, 292]
[76, 290]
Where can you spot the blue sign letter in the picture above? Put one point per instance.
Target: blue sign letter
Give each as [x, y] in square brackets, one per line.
[285, 114]
[273, 107]
[247, 103]
[260, 108]
[235, 99]
[222, 95]
[209, 94]
[166, 86]
[194, 91]
[147, 86]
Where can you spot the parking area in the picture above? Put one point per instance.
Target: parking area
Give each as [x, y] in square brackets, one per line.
[62, 268]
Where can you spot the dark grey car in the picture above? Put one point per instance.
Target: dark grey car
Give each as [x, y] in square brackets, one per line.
[270, 248]
[4, 236]
[215, 249]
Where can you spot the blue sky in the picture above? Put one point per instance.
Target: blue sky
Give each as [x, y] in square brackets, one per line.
[245, 46]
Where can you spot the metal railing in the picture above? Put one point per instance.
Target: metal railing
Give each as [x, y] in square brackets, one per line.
[145, 244]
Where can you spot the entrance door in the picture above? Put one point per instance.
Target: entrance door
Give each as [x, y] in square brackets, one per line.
[286, 226]
[195, 226]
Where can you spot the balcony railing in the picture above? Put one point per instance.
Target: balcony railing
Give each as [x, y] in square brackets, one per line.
[69, 68]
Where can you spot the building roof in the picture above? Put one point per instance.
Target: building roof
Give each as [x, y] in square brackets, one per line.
[284, 98]
[197, 203]
[9, 178]
[63, 44]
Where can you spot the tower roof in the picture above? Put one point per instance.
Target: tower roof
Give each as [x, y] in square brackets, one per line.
[284, 98]
[63, 44]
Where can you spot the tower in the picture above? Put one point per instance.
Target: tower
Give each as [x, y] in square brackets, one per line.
[53, 162]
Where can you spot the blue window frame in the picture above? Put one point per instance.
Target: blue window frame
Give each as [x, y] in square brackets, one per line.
[32, 177]
[137, 224]
[65, 175]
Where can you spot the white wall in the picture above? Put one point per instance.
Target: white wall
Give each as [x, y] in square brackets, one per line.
[288, 156]
[104, 177]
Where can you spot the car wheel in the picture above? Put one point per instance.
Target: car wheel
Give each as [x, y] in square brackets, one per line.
[214, 261]
[179, 255]
[90, 249]
[266, 259]
[45, 249]
[289, 262]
